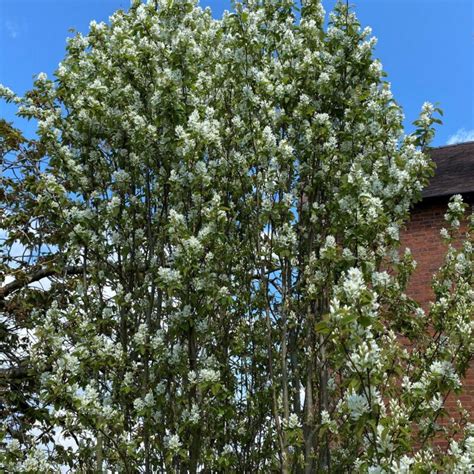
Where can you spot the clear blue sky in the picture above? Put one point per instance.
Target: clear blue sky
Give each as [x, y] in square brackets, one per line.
[426, 46]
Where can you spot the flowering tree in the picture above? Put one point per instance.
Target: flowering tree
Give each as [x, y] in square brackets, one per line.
[216, 205]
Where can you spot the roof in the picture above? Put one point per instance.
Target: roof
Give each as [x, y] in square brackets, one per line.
[454, 173]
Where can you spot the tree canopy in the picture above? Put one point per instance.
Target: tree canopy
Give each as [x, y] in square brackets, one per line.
[213, 207]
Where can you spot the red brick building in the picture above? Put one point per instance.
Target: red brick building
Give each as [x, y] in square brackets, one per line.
[454, 175]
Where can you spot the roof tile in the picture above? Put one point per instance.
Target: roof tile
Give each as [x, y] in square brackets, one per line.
[454, 172]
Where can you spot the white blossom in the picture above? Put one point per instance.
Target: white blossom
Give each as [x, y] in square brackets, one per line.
[209, 375]
[174, 443]
[356, 404]
[353, 283]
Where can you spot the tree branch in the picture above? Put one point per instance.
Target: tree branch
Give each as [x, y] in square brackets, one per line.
[34, 277]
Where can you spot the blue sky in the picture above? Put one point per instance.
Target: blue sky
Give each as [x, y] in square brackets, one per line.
[426, 47]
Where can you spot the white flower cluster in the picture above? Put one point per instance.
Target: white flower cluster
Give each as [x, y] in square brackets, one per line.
[7, 93]
[293, 422]
[329, 246]
[353, 283]
[168, 276]
[455, 211]
[173, 442]
[356, 404]
[367, 356]
[209, 375]
[381, 279]
[464, 455]
[444, 370]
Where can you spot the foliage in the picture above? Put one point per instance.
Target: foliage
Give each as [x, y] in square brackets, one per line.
[217, 205]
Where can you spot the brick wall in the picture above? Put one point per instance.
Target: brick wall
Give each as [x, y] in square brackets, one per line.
[422, 236]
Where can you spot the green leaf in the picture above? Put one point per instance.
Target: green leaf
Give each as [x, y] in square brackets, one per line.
[322, 327]
[348, 319]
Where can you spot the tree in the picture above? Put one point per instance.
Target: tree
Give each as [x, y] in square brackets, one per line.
[221, 203]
